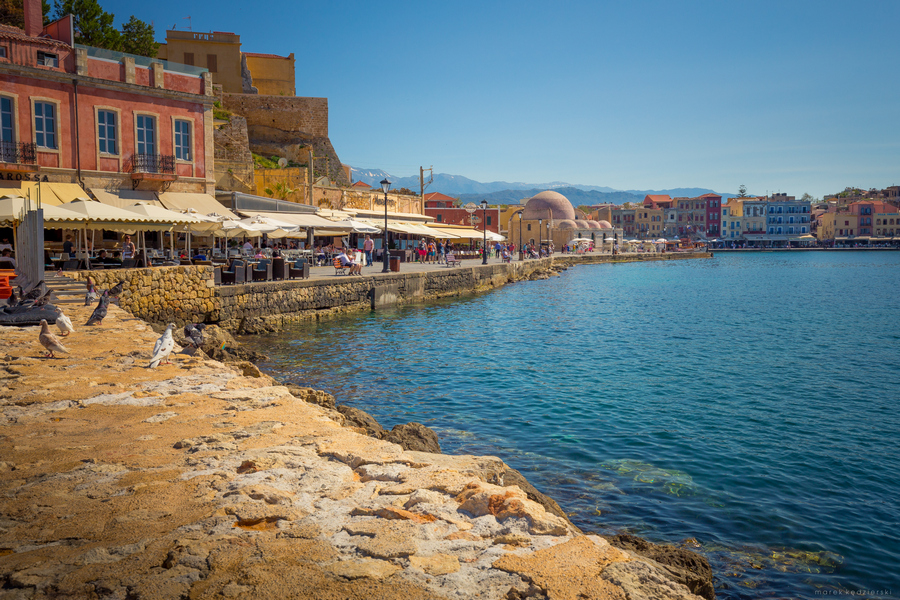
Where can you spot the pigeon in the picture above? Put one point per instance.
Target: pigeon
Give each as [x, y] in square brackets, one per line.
[163, 348]
[13, 299]
[194, 333]
[34, 293]
[50, 341]
[44, 298]
[117, 289]
[91, 294]
[64, 324]
[99, 312]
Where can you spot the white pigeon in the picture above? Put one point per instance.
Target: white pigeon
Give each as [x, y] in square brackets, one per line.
[164, 346]
[64, 324]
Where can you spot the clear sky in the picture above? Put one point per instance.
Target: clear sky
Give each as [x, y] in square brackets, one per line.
[784, 95]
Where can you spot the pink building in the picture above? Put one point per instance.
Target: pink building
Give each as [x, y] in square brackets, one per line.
[101, 119]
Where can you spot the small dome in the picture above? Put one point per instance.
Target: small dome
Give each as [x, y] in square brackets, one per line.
[566, 224]
[548, 205]
[582, 224]
[605, 225]
[593, 224]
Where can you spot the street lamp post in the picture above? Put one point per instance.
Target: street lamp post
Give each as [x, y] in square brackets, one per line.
[385, 185]
[484, 206]
[521, 253]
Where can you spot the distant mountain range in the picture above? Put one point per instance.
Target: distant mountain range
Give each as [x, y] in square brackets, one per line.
[505, 192]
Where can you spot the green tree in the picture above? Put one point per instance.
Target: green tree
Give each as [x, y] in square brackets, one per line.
[93, 25]
[808, 198]
[137, 38]
[742, 191]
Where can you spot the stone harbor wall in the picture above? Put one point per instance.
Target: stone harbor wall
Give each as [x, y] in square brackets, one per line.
[187, 294]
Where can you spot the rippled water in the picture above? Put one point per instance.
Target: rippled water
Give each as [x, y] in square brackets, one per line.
[748, 402]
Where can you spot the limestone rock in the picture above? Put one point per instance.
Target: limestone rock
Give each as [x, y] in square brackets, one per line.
[479, 499]
[360, 418]
[642, 582]
[681, 565]
[569, 571]
[438, 564]
[363, 568]
[414, 436]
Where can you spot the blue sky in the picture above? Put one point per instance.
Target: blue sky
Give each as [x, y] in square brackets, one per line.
[791, 96]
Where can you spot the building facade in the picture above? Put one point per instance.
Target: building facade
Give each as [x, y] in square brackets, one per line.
[443, 209]
[98, 118]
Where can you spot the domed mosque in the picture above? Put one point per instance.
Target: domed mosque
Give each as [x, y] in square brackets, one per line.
[549, 216]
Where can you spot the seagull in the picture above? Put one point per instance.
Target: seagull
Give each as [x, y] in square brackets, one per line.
[194, 333]
[50, 341]
[99, 312]
[64, 324]
[163, 348]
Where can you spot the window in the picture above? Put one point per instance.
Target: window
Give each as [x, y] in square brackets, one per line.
[106, 132]
[3, 53]
[6, 120]
[45, 125]
[182, 140]
[46, 59]
[439, 218]
[529, 227]
[146, 134]
[189, 58]
[212, 63]
[489, 220]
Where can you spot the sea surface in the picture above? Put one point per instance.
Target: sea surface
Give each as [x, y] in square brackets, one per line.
[744, 406]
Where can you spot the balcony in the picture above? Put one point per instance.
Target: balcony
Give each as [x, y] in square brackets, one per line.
[21, 154]
[152, 167]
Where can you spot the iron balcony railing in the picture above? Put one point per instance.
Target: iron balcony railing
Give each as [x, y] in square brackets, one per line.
[22, 153]
[152, 163]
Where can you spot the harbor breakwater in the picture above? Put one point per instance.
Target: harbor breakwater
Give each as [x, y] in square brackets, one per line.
[188, 294]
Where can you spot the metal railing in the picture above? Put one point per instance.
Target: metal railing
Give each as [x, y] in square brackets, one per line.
[22, 153]
[152, 163]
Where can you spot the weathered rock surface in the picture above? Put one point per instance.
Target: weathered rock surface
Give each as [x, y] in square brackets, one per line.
[680, 564]
[196, 480]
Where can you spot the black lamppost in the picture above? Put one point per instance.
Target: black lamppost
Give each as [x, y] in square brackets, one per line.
[484, 206]
[521, 253]
[385, 185]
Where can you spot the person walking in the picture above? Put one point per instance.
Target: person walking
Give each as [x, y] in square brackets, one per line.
[368, 246]
[442, 253]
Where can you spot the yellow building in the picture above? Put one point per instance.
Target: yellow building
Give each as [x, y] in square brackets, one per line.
[219, 51]
[272, 75]
[648, 222]
[237, 72]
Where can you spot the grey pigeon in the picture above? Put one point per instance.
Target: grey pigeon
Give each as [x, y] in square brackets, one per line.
[34, 293]
[117, 289]
[44, 298]
[50, 341]
[194, 333]
[163, 348]
[64, 323]
[91, 295]
[13, 298]
[99, 312]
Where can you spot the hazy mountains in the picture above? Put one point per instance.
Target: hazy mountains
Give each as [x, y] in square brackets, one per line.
[506, 192]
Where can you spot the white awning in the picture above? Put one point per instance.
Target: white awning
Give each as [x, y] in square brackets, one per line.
[304, 220]
[202, 203]
[125, 198]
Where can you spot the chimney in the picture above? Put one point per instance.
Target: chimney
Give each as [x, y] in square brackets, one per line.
[34, 17]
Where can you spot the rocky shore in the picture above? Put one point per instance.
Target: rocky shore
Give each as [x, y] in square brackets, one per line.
[206, 479]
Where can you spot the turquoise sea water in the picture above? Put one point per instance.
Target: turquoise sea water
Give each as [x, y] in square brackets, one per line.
[745, 406]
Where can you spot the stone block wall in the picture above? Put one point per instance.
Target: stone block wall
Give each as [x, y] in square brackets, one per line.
[162, 294]
[283, 115]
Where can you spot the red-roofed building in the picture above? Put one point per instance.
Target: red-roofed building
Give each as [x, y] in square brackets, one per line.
[657, 201]
[444, 210]
[361, 185]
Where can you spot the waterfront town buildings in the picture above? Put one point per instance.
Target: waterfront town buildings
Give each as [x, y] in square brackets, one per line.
[444, 209]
